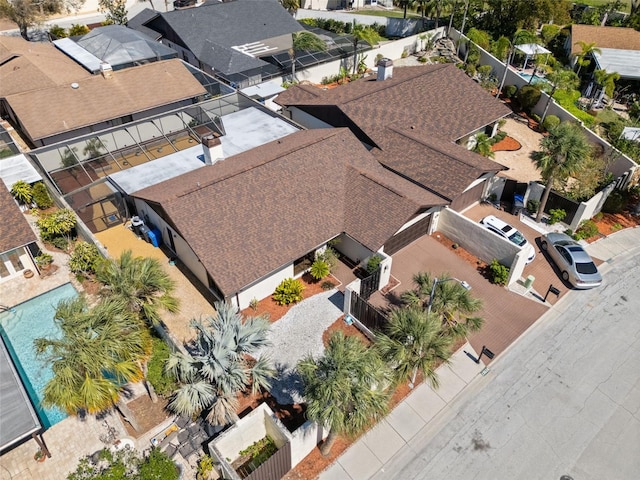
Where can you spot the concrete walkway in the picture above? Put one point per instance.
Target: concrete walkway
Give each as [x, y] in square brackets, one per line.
[408, 421]
[425, 411]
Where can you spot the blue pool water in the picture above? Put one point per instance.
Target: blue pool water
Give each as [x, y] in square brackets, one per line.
[537, 79]
[19, 327]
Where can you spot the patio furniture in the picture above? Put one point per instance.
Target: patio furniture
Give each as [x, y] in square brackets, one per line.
[170, 450]
[182, 421]
[186, 450]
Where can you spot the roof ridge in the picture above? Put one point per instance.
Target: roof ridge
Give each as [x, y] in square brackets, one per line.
[276, 156]
[368, 176]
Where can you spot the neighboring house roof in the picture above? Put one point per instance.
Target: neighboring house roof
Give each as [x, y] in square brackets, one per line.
[250, 214]
[624, 62]
[604, 37]
[212, 30]
[50, 111]
[413, 119]
[16, 231]
[27, 66]
[119, 45]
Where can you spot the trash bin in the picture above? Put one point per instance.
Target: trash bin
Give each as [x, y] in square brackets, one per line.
[528, 283]
[518, 204]
[144, 232]
[136, 223]
[154, 237]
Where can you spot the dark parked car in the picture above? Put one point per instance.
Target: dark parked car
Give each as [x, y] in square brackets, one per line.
[184, 3]
[575, 264]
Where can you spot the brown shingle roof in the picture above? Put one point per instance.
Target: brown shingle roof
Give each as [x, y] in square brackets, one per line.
[26, 66]
[14, 229]
[58, 109]
[604, 37]
[252, 213]
[414, 119]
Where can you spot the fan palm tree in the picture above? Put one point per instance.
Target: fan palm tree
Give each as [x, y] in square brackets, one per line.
[587, 49]
[563, 80]
[101, 350]
[306, 41]
[362, 33]
[413, 341]
[219, 365]
[141, 283]
[562, 153]
[346, 388]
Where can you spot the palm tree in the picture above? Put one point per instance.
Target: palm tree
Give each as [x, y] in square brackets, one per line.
[607, 81]
[346, 388]
[449, 299]
[483, 145]
[562, 153]
[141, 283]
[100, 351]
[291, 6]
[362, 33]
[219, 365]
[586, 50]
[563, 79]
[413, 341]
[306, 41]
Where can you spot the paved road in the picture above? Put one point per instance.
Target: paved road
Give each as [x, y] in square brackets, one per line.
[564, 400]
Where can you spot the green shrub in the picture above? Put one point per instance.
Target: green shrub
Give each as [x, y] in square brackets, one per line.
[60, 243]
[289, 291]
[78, 29]
[43, 260]
[253, 304]
[615, 202]
[510, 91]
[205, 467]
[550, 121]
[59, 223]
[587, 229]
[533, 206]
[85, 258]
[319, 269]
[41, 196]
[327, 285]
[528, 97]
[330, 257]
[162, 381]
[58, 32]
[22, 192]
[374, 263]
[499, 273]
[422, 59]
[556, 215]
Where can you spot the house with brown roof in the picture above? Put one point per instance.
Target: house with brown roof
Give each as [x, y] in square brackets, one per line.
[244, 223]
[619, 48]
[418, 122]
[18, 244]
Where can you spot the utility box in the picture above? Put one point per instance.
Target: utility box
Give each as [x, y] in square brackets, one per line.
[528, 283]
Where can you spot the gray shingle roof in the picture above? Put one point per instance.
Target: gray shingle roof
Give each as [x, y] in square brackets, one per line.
[413, 119]
[255, 212]
[209, 31]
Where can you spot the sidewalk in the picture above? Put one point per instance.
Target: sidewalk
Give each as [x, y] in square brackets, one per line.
[425, 408]
[407, 421]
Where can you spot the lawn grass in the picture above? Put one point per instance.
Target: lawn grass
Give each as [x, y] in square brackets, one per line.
[568, 101]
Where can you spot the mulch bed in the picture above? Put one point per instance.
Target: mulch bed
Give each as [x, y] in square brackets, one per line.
[340, 326]
[148, 414]
[275, 312]
[291, 415]
[614, 222]
[507, 144]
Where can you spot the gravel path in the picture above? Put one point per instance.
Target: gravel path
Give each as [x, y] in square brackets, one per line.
[296, 335]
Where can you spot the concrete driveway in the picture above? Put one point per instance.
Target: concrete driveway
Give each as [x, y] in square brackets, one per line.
[506, 314]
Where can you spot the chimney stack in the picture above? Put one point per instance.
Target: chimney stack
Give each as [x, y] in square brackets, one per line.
[385, 69]
[106, 70]
[212, 149]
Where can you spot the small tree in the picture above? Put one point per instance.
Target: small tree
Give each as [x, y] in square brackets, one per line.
[483, 145]
[22, 192]
[528, 97]
[362, 33]
[115, 11]
[85, 258]
[27, 13]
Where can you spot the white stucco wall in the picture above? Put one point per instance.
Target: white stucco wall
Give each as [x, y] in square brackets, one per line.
[304, 119]
[263, 288]
[351, 248]
[304, 440]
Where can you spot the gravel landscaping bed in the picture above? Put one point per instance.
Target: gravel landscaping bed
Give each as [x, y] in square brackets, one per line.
[296, 335]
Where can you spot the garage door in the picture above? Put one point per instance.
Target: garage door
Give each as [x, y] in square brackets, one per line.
[469, 197]
[408, 235]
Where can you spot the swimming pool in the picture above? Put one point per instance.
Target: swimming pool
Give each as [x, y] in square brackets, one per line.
[537, 79]
[19, 327]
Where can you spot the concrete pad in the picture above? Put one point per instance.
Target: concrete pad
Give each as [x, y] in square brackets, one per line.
[359, 462]
[405, 420]
[425, 402]
[614, 244]
[463, 366]
[335, 472]
[383, 441]
[450, 383]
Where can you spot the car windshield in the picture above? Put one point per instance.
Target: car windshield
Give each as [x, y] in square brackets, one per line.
[586, 268]
[518, 239]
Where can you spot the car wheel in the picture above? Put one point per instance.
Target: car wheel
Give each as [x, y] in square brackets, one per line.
[565, 276]
[544, 245]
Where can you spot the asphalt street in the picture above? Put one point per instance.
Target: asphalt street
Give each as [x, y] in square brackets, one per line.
[562, 401]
